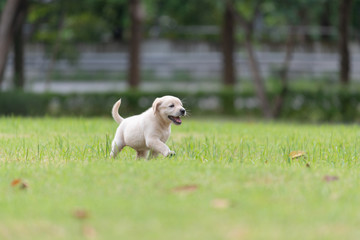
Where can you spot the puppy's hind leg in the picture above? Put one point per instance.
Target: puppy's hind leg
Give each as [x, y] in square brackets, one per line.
[116, 147]
[153, 154]
[142, 154]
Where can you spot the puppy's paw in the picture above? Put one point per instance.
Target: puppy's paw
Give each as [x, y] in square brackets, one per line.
[112, 154]
[171, 153]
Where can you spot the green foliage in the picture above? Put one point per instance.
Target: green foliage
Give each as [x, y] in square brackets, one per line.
[187, 12]
[300, 105]
[85, 21]
[246, 8]
[99, 21]
[86, 27]
[172, 18]
[63, 23]
[355, 16]
[2, 4]
[115, 13]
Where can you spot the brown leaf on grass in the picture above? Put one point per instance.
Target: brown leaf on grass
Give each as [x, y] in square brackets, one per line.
[296, 154]
[81, 214]
[220, 203]
[238, 232]
[19, 183]
[185, 189]
[89, 232]
[15, 182]
[330, 178]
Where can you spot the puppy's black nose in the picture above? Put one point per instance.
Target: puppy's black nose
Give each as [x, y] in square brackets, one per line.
[182, 111]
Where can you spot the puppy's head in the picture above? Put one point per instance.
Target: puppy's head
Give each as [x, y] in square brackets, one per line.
[169, 109]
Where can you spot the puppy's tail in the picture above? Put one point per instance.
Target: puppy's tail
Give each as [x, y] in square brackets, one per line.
[115, 112]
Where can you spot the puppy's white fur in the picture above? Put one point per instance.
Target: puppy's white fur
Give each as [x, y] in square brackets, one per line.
[149, 130]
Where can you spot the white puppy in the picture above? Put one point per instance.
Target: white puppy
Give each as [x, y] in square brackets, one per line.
[149, 130]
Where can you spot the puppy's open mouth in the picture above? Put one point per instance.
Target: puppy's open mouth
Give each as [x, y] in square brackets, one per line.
[176, 120]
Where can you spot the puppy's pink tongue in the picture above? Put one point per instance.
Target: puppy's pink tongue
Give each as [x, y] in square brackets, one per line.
[177, 119]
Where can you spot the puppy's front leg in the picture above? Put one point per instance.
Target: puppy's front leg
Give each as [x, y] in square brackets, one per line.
[158, 146]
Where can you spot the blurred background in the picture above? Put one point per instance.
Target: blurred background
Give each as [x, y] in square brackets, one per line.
[250, 59]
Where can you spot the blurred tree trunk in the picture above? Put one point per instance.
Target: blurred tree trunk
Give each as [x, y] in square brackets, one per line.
[56, 48]
[248, 26]
[261, 94]
[344, 14]
[135, 42]
[19, 77]
[255, 69]
[6, 32]
[228, 47]
[325, 22]
[304, 31]
[284, 74]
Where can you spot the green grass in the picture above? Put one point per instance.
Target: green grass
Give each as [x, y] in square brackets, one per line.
[66, 166]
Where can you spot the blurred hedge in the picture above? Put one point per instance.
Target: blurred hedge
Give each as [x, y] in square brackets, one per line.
[314, 106]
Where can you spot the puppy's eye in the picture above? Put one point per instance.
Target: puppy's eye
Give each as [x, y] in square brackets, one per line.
[172, 105]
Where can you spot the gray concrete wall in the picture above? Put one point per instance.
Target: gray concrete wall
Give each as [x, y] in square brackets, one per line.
[164, 59]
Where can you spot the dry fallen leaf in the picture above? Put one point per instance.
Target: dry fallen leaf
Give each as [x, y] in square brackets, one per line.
[15, 182]
[89, 232]
[19, 183]
[236, 233]
[81, 214]
[185, 189]
[330, 178]
[220, 203]
[297, 154]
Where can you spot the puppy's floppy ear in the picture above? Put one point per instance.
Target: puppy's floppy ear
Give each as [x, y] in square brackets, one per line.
[156, 105]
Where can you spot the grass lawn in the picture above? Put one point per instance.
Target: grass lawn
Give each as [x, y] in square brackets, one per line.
[229, 180]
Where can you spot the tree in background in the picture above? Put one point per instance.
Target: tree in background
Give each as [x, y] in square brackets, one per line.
[62, 24]
[246, 12]
[19, 75]
[285, 13]
[191, 13]
[12, 19]
[115, 15]
[67, 22]
[274, 13]
[344, 63]
[185, 12]
[228, 46]
[136, 16]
